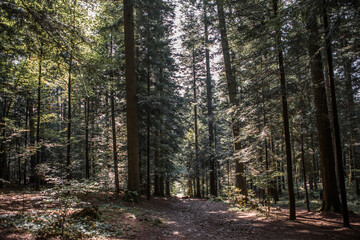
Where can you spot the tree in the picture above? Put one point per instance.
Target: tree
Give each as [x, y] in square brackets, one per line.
[131, 103]
[233, 98]
[338, 147]
[330, 192]
[285, 114]
[209, 96]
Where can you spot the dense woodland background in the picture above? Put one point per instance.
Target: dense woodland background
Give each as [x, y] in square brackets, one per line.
[249, 99]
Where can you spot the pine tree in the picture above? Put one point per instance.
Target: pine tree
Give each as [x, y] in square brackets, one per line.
[131, 105]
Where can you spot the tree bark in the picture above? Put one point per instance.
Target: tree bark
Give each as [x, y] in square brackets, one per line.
[285, 116]
[354, 135]
[213, 189]
[167, 189]
[113, 124]
[87, 159]
[148, 183]
[32, 142]
[68, 142]
[38, 147]
[197, 163]
[240, 179]
[304, 168]
[338, 148]
[330, 192]
[162, 189]
[157, 164]
[131, 103]
[26, 141]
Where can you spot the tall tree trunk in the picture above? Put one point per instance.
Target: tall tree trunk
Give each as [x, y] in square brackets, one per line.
[285, 116]
[32, 142]
[167, 189]
[26, 141]
[116, 170]
[304, 168]
[197, 163]
[338, 148]
[189, 188]
[330, 192]
[157, 164]
[108, 132]
[354, 135]
[148, 183]
[315, 163]
[267, 176]
[240, 179]
[213, 190]
[162, 182]
[92, 137]
[131, 104]
[4, 167]
[87, 159]
[38, 147]
[68, 142]
[19, 160]
[273, 181]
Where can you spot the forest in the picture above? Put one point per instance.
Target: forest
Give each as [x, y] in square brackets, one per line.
[179, 119]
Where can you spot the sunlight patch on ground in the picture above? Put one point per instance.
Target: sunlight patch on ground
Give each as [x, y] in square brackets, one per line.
[170, 222]
[179, 195]
[215, 212]
[247, 215]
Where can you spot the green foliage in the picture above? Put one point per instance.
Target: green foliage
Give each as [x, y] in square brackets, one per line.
[234, 195]
[132, 196]
[89, 37]
[216, 199]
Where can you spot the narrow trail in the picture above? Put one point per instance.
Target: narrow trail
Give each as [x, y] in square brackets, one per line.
[200, 219]
[188, 218]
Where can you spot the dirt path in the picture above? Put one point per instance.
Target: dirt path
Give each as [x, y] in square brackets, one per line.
[201, 219]
[188, 218]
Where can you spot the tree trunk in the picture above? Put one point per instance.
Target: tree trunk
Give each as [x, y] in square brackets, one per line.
[285, 117]
[87, 160]
[213, 190]
[330, 191]
[167, 183]
[338, 148]
[197, 163]
[113, 124]
[131, 103]
[26, 141]
[32, 142]
[19, 160]
[68, 144]
[316, 174]
[267, 176]
[304, 168]
[38, 147]
[162, 189]
[232, 92]
[157, 164]
[354, 135]
[92, 137]
[4, 167]
[148, 183]
[273, 182]
[189, 188]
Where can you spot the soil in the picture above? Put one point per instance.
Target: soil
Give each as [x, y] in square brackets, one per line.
[192, 218]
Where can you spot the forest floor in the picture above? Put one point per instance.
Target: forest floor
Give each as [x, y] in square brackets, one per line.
[38, 215]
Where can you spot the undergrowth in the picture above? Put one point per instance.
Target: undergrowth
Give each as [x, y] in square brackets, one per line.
[59, 215]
